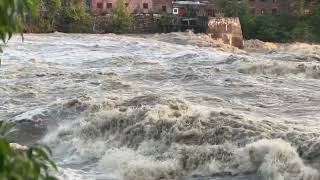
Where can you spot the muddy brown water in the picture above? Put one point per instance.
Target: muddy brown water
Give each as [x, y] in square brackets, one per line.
[120, 107]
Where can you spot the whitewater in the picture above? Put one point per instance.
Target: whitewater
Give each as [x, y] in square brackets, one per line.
[161, 106]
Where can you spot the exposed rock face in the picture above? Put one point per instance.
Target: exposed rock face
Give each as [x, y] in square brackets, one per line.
[18, 148]
[227, 29]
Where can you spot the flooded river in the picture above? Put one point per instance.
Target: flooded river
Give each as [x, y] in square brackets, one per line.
[160, 107]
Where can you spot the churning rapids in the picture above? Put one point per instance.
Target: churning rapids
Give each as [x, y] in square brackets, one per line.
[160, 107]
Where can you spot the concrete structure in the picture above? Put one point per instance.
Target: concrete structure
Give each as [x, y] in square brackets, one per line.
[193, 8]
[227, 29]
[134, 6]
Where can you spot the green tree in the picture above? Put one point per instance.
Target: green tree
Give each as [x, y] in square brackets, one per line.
[292, 7]
[314, 21]
[302, 31]
[121, 18]
[74, 17]
[233, 8]
[44, 18]
[12, 16]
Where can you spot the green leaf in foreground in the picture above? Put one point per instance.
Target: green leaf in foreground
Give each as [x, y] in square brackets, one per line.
[23, 163]
[12, 14]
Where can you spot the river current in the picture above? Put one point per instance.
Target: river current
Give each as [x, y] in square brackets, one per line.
[161, 107]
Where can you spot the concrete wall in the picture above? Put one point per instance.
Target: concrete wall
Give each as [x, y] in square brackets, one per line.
[227, 29]
[142, 23]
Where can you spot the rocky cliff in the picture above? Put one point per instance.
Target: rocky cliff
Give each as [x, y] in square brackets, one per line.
[227, 29]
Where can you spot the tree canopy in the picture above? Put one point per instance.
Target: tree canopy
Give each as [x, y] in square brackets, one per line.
[12, 15]
[121, 18]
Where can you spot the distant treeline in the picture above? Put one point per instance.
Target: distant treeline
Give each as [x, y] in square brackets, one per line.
[63, 15]
[71, 16]
[287, 26]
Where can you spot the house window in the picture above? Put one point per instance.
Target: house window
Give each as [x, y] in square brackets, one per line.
[127, 4]
[109, 5]
[263, 11]
[274, 11]
[175, 11]
[164, 8]
[99, 5]
[145, 6]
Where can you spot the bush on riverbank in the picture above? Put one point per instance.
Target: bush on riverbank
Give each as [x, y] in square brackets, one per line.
[59, 15]
[43, 20]
[285, 27]
[121, 18]
[281, 28]
[74, 18]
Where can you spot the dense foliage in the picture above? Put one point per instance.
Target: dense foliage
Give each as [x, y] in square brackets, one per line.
[290, 25]
[121, 18]
[233, 8]
[32, 163]
[70, 16]
[12, 13]
[44, 18]
[74, 17]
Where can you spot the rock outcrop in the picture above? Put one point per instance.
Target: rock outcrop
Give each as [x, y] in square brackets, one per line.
[226, 29]
[18, 148]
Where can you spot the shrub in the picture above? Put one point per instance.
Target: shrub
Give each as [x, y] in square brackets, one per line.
[74, 18]
[233, 8]
[314, 22]
[12, 15]
[281, 28]
[289, 26]
[43, 21]
[121, 18]
[302, 32]
[30, 164]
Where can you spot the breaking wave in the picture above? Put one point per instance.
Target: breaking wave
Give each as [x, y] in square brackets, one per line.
[148, 137]
[126, 107]
[282, 69]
